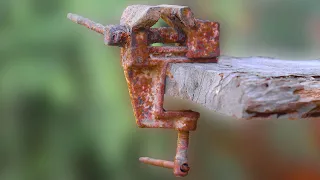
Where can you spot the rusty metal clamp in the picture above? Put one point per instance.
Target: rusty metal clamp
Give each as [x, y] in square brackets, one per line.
[191, 41]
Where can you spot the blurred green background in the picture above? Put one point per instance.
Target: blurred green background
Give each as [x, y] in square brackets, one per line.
[64, 107]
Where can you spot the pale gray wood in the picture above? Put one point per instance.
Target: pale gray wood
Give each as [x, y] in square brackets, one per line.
[253, 87]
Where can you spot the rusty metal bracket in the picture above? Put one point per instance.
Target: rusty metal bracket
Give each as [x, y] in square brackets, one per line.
[190, 40]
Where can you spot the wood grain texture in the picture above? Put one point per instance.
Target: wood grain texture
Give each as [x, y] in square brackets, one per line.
[250, 88]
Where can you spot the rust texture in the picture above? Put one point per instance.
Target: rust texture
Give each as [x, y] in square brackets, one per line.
[145, 66]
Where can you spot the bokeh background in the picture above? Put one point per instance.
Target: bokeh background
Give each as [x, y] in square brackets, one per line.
[65, 112]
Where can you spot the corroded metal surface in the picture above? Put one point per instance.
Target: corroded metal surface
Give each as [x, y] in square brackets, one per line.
[145, 65]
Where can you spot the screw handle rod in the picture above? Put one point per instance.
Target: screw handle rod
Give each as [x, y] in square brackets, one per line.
[99, 28]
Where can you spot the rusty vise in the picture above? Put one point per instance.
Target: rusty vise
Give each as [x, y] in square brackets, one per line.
[186, 40]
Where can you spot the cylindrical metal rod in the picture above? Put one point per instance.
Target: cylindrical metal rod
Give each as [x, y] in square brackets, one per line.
[99, 28]
[181, 166]
[166, 35]
[157, 162]
[168, 49]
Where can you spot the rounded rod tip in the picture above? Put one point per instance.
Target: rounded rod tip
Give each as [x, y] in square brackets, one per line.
[71, 16]
[99, 28]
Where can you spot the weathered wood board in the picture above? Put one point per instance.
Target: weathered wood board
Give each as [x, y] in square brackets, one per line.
[250, 88]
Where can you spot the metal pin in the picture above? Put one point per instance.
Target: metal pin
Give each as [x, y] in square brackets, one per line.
[99, 28]
[157, 162]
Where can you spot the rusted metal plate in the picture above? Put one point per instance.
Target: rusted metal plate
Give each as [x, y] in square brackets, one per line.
[204, 40]
[145, 66]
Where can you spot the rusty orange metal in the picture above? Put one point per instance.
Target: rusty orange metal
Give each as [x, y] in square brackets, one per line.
[145, 66]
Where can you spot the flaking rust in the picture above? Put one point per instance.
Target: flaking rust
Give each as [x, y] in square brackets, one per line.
[145, 66]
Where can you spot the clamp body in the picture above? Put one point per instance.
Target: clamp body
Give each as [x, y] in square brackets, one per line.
[191, 41]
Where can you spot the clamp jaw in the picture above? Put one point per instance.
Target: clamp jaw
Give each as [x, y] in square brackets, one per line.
[195, 41]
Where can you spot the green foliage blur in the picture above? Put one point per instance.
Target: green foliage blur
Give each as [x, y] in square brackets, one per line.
[64, 107]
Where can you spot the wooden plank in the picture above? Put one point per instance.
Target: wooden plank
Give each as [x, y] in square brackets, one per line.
[250, 88]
